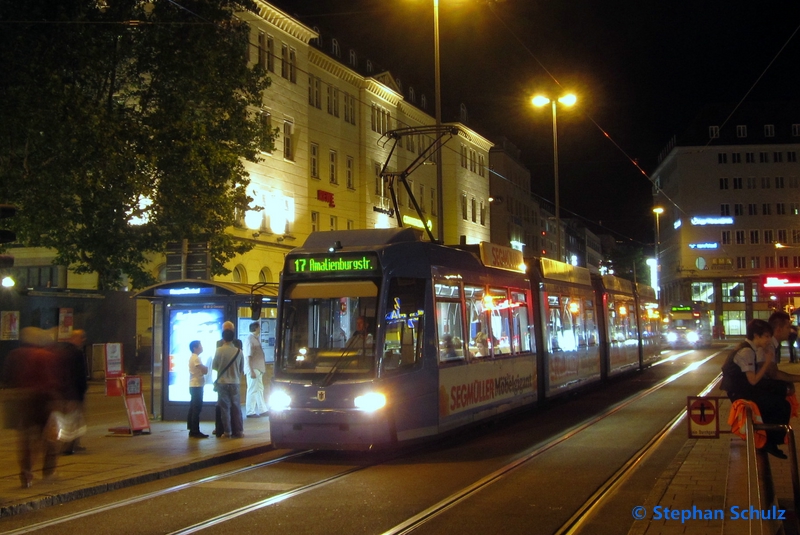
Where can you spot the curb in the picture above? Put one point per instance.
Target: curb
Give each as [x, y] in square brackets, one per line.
[58, 499]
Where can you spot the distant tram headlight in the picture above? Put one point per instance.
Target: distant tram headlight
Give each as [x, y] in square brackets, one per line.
[370, 402]
[279, 400]
[672, 337]
[692, 337]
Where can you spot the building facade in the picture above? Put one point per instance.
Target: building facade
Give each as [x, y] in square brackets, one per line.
[731, 203]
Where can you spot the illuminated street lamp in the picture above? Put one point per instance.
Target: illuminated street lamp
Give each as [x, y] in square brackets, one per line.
[658, 211]
[566, 100]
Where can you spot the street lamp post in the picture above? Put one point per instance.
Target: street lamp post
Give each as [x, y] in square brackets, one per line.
[658, 211]
[438, 111]
[566, 100]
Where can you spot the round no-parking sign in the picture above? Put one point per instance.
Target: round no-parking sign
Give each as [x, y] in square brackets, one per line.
[703, 417]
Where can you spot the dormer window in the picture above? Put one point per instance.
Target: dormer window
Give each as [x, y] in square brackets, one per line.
[353, 58]
[369, 66]
[411, 96]
[318, 38]
[769, 130]
[424, 102]
[741, 130]
[335, 50]
[399, 84]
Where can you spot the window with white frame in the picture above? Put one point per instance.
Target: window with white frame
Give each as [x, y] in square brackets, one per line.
[796, 130]
[769, 236]
[752, 209]
[722, 157]
[737, 182]
[779, 183]
[334, 223]
[292, 75]
[288, 148]
[265, 120]
[736, 157]
[713, 132]
[726, 237]
[795, 235]
[262, 50]
[333, 161]
[791, 156]
[723, 183]
[783, 235]
[464, 156]
[314, 221]
[741, 262]
[794, 208]
[763, 157]
[740, 237]
[755, 237]
[755, 262]
[738, 209]
[780, 208]
[741, 130]
[725, 209]
[481, 165]
[353, 58]
[777, 157]
[765, 182]
[351, 181]
[335, 48]
[473, 163]
[314, 160]
[752, 182]
[424, 102]
[769, 130]
[766, 209]
[750, 157]
[351, 225]
[769, 262]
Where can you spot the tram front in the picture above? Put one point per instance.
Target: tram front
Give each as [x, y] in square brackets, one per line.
[325, 392]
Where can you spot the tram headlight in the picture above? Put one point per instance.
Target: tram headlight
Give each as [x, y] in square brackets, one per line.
[370, 402]
[672, 337]
[692, 337]
[279, 400]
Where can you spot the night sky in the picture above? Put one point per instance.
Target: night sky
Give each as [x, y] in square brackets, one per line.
[641, 69]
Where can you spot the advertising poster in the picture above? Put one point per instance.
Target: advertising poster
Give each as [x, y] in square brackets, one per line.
[9, 325]
[185, 325]
[113, 360]
[65, 322]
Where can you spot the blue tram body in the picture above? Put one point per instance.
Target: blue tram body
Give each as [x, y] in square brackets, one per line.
[384, 338]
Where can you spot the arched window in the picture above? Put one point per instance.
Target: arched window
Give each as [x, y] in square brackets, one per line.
[399, 84]
[369, 66]
[318, 38]
[411, 95]
[335, 50]
[240, 274]
[464, 118]
[265, 275]
[353, 58]
[424, 102]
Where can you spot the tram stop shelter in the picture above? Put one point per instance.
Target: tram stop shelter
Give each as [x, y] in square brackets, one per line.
[187, 310]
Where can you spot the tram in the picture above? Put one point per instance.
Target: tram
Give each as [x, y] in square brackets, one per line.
[385, 338]
[688, 325]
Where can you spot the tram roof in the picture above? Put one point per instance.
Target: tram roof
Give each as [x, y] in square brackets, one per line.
[361, 237]
[161, 290]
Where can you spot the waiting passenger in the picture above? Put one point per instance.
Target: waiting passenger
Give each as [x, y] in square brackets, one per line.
[772, 404]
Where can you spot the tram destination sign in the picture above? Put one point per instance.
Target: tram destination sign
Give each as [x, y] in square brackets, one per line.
[333, 263]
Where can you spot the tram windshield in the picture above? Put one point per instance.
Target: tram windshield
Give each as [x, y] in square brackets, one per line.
[328, 330]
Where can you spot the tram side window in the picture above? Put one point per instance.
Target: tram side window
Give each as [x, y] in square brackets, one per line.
[403, 340]
[501, 324]
[480, 338]
[449, 321]
[520, 327]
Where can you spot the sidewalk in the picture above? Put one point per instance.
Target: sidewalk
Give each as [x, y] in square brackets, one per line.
[111, 462]
[709, 474]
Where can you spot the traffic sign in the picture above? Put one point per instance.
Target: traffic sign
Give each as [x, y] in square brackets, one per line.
[703, 418]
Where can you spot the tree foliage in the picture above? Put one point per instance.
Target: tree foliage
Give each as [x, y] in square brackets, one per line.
[126, 110]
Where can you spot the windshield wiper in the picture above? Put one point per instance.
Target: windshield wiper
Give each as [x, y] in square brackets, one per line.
[328, 379]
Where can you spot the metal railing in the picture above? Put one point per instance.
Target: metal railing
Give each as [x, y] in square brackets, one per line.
[760, 488]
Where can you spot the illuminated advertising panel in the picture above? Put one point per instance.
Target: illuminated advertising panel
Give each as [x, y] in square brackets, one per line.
[712, 221]
[781, 282]
[704, 245]
[186, 325]
[334, 264]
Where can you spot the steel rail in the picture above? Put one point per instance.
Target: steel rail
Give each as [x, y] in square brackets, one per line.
[454, 499]
[151, 495]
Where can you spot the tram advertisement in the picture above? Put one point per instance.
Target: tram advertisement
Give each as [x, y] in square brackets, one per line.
[462, 388]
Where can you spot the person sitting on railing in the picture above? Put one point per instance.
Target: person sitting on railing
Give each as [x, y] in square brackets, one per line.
[744, 383]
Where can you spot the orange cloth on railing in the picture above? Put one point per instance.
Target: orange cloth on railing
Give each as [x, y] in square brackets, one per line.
[737, 419]
[792, 399]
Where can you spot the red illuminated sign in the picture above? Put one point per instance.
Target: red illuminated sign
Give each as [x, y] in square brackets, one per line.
[783, 281]
[326, 196]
